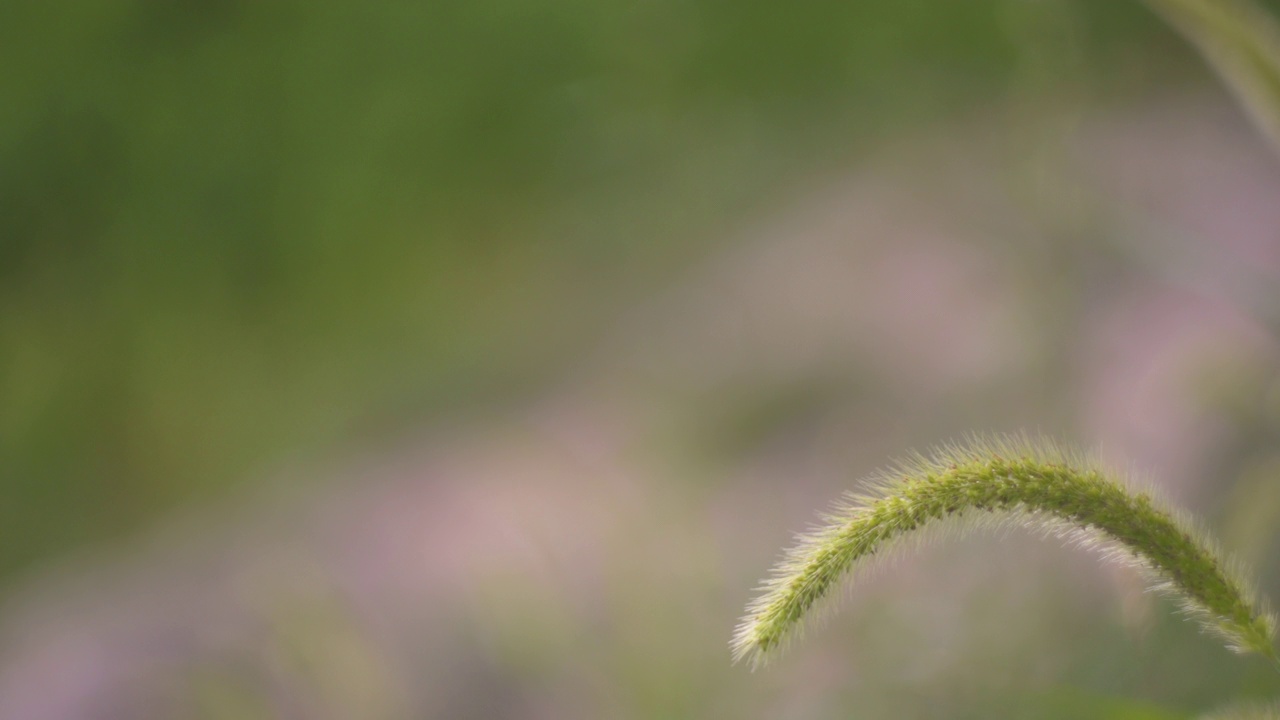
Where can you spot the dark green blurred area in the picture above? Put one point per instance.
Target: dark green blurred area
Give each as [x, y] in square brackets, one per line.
[235, 231]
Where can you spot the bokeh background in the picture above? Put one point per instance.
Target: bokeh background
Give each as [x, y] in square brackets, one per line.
[475, 360]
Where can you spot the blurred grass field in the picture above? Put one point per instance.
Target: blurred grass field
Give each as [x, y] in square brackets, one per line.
[240, 237]
[233, 231]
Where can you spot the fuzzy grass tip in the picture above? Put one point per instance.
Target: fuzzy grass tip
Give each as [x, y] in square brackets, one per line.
[1008, 481]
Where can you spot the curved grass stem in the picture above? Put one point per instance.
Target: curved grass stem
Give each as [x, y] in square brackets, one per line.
[1241, 41]
[1009, 480]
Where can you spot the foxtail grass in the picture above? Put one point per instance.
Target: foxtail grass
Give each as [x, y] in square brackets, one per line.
[1003, 481]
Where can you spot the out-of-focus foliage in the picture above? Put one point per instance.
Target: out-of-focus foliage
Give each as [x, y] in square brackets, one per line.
[230, 229]
[236, 236]
[1242, 41]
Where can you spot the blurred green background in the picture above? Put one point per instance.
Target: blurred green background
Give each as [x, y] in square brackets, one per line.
[242, 238]
[232, 229]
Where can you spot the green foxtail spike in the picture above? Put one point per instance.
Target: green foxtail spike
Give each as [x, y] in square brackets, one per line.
[1008, 481]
